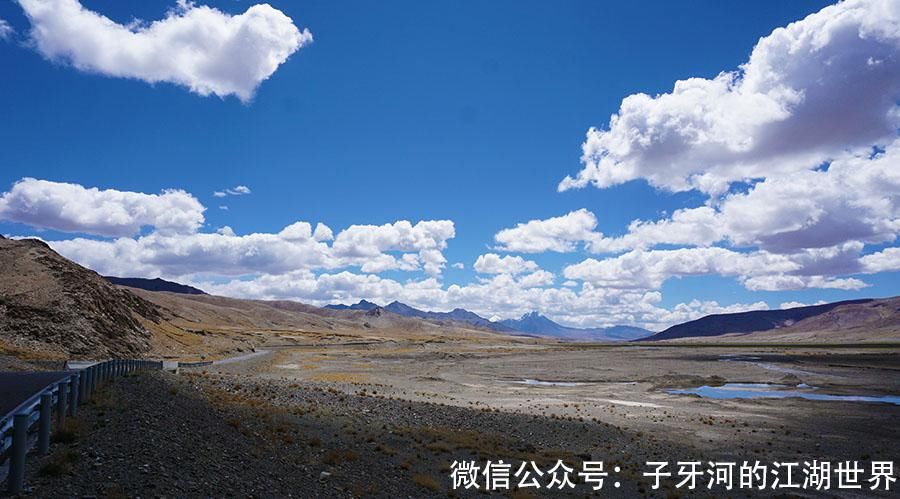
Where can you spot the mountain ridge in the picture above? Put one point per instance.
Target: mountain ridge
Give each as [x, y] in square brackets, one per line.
[535, 323]
[156, 284]
[532, 323]
[746, 322]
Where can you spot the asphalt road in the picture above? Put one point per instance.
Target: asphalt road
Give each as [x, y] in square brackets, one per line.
[16, 388]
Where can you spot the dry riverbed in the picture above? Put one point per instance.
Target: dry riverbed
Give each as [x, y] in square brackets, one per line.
[389, 419]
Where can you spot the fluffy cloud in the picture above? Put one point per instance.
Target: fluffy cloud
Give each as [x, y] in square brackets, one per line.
[650, 269]
[296, 247]
[73, 208]
[887, 260]
[198, 47]
[175, 247]
[492, 263]
[238, 190]
[783, 282]
[537, 279]
[757, 271]
[694, 226]
[427, 238]
[560, 234]
[808, 92]
[222, 253]
[854, 199]
[6, 31]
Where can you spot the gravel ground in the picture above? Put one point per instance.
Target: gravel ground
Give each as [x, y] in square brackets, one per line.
[143, 437]
[236, 435]
[231, 431]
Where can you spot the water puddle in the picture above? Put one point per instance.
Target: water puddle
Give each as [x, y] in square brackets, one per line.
[764, 390]
[765, 365]
[628, 403]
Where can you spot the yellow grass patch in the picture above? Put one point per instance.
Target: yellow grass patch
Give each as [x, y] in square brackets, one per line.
[341, 377]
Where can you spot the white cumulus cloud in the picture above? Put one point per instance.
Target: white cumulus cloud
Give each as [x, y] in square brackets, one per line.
[73, 208]
[198, 47]
[887, 260]
[560, 234]
[854, 199]
[492, 263]
[808, 92]
[650, 269]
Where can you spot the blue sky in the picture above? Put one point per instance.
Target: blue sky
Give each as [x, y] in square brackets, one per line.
[471, 112]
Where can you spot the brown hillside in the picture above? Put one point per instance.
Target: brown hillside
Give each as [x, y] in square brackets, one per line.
[50, 304]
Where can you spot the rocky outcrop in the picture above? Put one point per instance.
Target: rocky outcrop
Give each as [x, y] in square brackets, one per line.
[48, 303]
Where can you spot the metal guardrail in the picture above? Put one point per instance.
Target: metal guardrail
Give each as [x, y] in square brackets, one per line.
[202, 363]
[30, 423]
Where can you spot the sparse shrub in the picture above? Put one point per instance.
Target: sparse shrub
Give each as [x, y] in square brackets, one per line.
[67, 434]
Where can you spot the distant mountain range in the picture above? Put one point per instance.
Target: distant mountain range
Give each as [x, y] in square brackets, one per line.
[362, 305]
[850, 317]
[155, 285]
[535, 323]
[757, 321]
[73, 311]
[532, 323]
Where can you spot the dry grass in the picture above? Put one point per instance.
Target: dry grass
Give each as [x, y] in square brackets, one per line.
[520, 494]
[26, 354]
[67, 434]
[59, 463]
[335, 457]
[340, 377]
[427, 482]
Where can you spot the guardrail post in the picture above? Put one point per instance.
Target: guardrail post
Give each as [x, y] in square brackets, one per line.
[17, 457]
[74, 400]
[61, 396]
[89, 383]
[44, 423]
[62, 401]
[82, 387]
[86, 386]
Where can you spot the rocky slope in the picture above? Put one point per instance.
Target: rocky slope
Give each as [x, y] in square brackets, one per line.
[50, 304]
[865, 322]
[846, 321]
